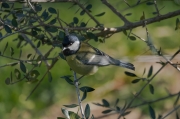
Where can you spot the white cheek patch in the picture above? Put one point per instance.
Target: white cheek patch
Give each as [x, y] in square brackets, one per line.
[74, 46]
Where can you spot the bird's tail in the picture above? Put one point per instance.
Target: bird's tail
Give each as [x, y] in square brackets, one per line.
[122, 64]
[127, 65]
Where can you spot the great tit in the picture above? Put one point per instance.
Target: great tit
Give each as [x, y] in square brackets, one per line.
[84, 59]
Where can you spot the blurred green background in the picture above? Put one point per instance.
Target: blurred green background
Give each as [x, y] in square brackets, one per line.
[109, 82]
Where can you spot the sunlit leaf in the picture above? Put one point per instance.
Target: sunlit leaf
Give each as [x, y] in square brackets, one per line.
[87, 111]
[71, 106]
[150, 71]
[52, 10]
[130, 74]
[22, 67]
[100, 14]
[151, 88]
[86, 88]
[152, 112]
[105, 103]
[106, 111]
[65, 112]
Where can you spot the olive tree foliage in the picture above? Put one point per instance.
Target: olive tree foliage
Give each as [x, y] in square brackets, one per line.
[31, 24]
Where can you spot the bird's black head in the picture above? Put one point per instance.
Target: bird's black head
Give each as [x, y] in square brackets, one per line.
[70, 45]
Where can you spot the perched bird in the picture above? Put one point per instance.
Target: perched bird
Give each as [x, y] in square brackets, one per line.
[84, 59]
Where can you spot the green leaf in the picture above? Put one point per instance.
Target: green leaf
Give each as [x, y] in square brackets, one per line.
[132, 38]
[118, 108]
[5, 48]
[0, 34]
[7, 29]
[65, 112]
[67, 78]
[5, 5]
[87, 89]
[73, 115]
[17, 73]
[83, 24]
[22, 67]
[20, 53]
[13, 64]
[38, 7]
[14, 22]
[89, 6]
[135, 80]
[49, 76]
[105, 103]
[28, 56]
[8, 81]
[125, 33]
[38, 44]
[82, 12]
[75, 20]
[87, 111]
[61, 35]
[62, 56]
[130, 74]
[150, 71]
[128, 14]
[45, 14]
[100, 14]
[51, 29]
[144, 71]
[52, 10]
[177, 116]
[98, 104]
[53, 21]
[84, 95]
[150, 3]
[151, 88]
[12, 51]
[152, 112]
[106, 111]
[71, 106]
[34, 74]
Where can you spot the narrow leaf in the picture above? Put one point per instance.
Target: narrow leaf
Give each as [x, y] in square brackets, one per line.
[130, 74]
[100, 14]
[117, 101]
[75, 20]
[135, 80]
[150, 71]
[84, 95]
[5, 48]
[17, 73]
[106, 111]
[12, 51]
[151, 88]
[65, 112]
[87, 89]
[67, 78]
[71, 106]
[49, 76]
[87, 111]
[14, 22]
[152, 112]
[22, 67]
[105, 103]
[5, 5]
[52, 10]
[177, 99]
[38, 44]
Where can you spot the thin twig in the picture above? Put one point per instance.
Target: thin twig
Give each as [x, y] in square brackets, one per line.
[78, 94]
[174, 109]
[116, 12]
[155, 4]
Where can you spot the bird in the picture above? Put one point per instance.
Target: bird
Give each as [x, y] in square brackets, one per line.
[85, 59]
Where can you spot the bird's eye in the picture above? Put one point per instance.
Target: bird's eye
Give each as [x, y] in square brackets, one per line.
[71, 43]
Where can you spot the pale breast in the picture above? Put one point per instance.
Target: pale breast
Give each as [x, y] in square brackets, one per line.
[79, 67]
